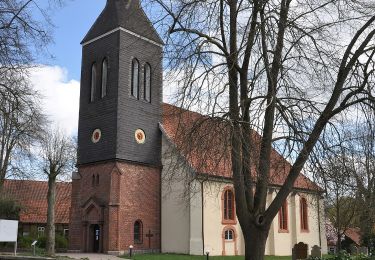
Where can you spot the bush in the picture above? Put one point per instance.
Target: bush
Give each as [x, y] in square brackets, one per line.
[42, 242]
[60, 242]
[362, 257]
[25, 242]
[342, 255]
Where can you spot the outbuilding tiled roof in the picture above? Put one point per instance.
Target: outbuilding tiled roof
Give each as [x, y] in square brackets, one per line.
[206, 149]
[32, 196]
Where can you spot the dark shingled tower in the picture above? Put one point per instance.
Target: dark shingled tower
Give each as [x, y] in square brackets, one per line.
[116, 193]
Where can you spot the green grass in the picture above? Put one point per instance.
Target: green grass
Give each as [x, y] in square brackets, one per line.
[188, 257]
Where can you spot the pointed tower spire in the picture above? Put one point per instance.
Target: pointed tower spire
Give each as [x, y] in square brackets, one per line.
[125, 14]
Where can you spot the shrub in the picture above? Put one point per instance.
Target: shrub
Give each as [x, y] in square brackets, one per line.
[362, 257]
[342, 255]
[42, 242]
[60, 242]
[25, 242]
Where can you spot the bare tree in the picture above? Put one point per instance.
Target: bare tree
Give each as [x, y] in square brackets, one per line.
[285, 69]
[25, 31]
[58, 155]
[344, 163]
[21, 124]
[336, 176]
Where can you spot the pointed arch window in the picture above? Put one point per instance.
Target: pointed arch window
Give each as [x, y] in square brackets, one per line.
[93, 82]
[304, 215]
[104, 77]
[229, 213]
[138, 231]
[135, 78]
[147, 82]
[283, 218]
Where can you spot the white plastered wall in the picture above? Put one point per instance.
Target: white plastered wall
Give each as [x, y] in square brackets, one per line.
[182, 215]
[175, 208]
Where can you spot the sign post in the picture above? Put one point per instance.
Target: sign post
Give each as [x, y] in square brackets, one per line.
[8, 232]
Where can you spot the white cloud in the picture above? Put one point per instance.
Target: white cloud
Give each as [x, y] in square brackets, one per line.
[60, 96]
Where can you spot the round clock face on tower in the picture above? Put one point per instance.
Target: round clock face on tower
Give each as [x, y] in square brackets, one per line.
[96, 135]
[140, 136]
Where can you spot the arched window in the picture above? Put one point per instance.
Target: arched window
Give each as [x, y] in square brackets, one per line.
[104, 77]
[147, 82]
[93, 82]
[138, 231]
[229, 234]
[135, 78]
[283, 217]
[228, 205]
[303, 214]
[93, 180]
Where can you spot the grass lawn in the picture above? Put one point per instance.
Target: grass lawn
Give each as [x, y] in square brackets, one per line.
[188, 257]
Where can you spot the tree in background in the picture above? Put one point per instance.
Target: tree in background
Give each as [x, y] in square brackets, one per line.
[25, 31]
[286, 69]
[9, 209]
[344, 164]
[58, 153]
[341, 202]
[21, 124]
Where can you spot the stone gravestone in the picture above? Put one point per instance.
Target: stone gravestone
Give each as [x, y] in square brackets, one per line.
[300, 251]
[363, 250]
[316, 252]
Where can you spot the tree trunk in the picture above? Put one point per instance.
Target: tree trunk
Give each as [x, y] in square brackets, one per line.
[255, 243]
[51, 197]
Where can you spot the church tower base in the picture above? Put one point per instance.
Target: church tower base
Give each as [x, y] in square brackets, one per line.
[119, 198]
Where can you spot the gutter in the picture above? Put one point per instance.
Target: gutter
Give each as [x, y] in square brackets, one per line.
[202, 193]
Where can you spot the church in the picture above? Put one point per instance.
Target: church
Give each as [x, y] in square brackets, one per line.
[124, 194]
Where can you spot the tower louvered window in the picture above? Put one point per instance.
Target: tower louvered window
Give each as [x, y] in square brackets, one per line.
[147, 82]
[93, 82]
[104, 77]
[135, 78]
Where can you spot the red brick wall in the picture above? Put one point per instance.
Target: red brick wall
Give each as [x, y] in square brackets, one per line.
[128, 192]
[139, 200]
[75, 215]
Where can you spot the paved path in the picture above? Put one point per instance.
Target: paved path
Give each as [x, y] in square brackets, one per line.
[91, 256]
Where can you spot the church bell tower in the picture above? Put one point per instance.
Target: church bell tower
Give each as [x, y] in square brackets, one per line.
[116, 191]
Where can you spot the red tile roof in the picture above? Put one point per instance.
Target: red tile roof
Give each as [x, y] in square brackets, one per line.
[354, 234]
[32, 196]
[206, 149]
